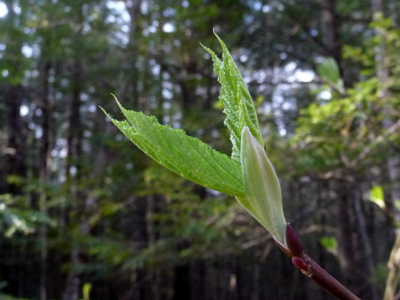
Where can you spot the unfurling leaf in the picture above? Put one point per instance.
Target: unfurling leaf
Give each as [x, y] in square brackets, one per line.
[234, 95]
[262, 198]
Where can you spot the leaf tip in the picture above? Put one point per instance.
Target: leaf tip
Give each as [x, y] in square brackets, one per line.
[215, 33]
[103, 110]
[246, 135]
[220, 41]
[116, 100]
[245, 130]
[208, 50]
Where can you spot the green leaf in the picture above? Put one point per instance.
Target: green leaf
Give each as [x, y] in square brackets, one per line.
[329, 71]
[186, 156]
[330, 243]
[87, 287]
[263, 197]
[234, 95]
[397, 204]
[376, 196]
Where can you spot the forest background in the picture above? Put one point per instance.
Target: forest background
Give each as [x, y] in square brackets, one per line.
[81, 208]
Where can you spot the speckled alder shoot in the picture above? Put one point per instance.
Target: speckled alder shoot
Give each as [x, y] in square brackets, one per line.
[247, 174]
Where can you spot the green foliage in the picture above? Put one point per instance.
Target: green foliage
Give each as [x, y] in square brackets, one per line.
[234, 95]
[335, 133]
[376, 196]
[329, 71]
[203, 224]
[130, 220]
[365, 53]
[381, 274]
[17, 217]
[196, 161]
[330, 243]
[184, 155]
[87, 287]
[189, 157]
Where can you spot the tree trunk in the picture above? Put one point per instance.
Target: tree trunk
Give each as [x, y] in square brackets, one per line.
[345, 239]
[73, 171]
[380, 50]
[182, 283]
[329, 28]
[365, 247]
[393, 162]
[131, 90]
[16, 138]
[44, 177]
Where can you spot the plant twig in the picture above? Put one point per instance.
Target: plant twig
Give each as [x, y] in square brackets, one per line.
[311, 269]
[314, 271]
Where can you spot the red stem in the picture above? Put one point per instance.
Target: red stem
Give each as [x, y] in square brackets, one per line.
[311, 269]
[325, 280]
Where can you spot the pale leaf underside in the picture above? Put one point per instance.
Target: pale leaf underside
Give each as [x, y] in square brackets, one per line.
[261, 186]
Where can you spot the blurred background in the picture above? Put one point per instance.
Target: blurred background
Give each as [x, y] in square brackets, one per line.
[84, 210]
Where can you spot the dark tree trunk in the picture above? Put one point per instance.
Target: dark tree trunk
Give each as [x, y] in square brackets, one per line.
[198, 287]
[131, 91]
[366, 259]
[182, 283]
[345, 239]
[330, 26]
[16, 138]
[73, 171]
[44, 177]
